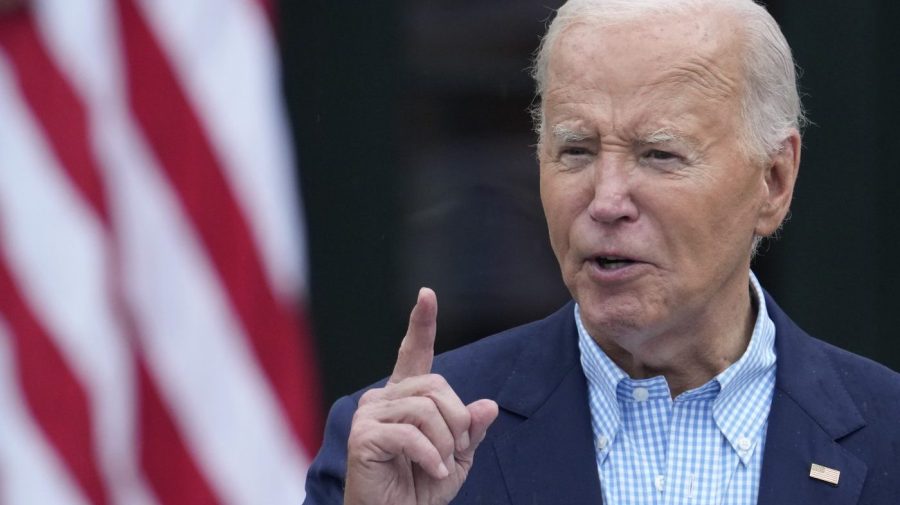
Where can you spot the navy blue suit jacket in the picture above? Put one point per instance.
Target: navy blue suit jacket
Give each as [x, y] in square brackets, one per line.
[830, 407]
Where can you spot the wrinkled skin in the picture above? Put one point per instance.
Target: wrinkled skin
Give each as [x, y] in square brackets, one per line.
[413, 441]
[642, 160]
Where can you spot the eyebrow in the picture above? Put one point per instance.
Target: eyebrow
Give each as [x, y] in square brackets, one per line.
[664, 135]
[565, 134]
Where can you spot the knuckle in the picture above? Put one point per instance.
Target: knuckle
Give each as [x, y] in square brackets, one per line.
[417, 442]
[445, 445]
[360, 416]
[462, 420]
[436, 382]
[368, 411]
[371, 396]
[410, 435]
[361, 433]
[409, 431]
[425, 405]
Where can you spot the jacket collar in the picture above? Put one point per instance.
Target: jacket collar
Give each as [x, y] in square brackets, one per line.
[549, 457]
[811, 412]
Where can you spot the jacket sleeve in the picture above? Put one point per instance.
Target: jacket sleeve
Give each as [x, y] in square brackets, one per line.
[325, 479]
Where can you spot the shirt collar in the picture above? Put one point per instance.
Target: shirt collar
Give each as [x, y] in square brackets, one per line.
[742, 392]
[742, 407]
[603, 378]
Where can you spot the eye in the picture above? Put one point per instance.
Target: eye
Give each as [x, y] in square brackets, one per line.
[657, 155]
[662, 160]
[574, 151]
[574, 157]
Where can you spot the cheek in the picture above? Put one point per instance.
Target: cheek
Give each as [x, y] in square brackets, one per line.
[556, 227]
[560, 215]
[721, 226]
[739, 206]
[561, 201]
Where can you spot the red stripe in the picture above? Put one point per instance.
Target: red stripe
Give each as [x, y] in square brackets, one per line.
[53, 394]
[184, 153]
[169, 467]
[164, 458]
[177, 480]
[54, 104]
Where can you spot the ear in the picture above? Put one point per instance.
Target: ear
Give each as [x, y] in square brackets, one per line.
[779, 178]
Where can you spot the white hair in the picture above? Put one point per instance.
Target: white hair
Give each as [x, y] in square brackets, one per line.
[770, 106]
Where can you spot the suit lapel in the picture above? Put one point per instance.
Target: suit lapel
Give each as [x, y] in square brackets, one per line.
[548, 458]
[811, 413]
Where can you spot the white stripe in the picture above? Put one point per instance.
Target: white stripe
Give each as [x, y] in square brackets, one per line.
[56, 251]
[30, 471]
[201, 361]
[224, 54]
[71, 28]
[195, 348]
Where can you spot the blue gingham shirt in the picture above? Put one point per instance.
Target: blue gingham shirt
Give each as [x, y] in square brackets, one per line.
[704, 447]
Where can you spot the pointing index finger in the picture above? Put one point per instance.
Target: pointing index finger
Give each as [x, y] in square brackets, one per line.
[417, 349]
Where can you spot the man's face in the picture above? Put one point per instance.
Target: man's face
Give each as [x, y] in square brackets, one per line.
[650, 201]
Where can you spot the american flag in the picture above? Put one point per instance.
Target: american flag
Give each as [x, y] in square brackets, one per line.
[153, 346]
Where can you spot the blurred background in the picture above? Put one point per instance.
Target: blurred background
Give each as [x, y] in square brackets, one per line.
[215, 216]
[418, 169]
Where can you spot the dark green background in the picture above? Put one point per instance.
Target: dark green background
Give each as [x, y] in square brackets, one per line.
[416, 168]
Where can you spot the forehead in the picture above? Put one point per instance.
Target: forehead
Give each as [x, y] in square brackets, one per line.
[662, 64]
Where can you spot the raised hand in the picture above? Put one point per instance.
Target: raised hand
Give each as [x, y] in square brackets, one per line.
[413, 441]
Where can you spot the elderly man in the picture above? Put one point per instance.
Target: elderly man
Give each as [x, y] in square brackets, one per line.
[669, 144]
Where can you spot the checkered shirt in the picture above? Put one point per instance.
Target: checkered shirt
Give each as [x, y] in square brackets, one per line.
[705, 447]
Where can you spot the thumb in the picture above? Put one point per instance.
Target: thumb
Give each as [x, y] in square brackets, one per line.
[482, 413]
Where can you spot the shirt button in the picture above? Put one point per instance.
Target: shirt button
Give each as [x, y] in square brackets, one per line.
[743, 444]
[602, 442]
[660, 483]
[640, 394]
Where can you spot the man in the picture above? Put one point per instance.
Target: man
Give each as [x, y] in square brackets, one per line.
[669, 144]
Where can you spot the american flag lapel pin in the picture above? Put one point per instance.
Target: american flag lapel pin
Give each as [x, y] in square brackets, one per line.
[825, 474]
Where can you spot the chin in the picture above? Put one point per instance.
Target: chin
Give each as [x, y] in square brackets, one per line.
[617, 316]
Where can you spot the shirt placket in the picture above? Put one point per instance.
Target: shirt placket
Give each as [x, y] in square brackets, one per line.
[649, 417]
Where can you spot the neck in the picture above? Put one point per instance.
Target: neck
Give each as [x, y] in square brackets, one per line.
[691, 356]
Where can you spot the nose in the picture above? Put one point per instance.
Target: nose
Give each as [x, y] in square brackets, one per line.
[613, 200]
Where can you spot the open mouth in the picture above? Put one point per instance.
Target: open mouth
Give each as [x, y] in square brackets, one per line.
[612, 263]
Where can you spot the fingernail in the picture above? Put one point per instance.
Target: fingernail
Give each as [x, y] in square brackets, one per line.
[442, 471]
[463, 442]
